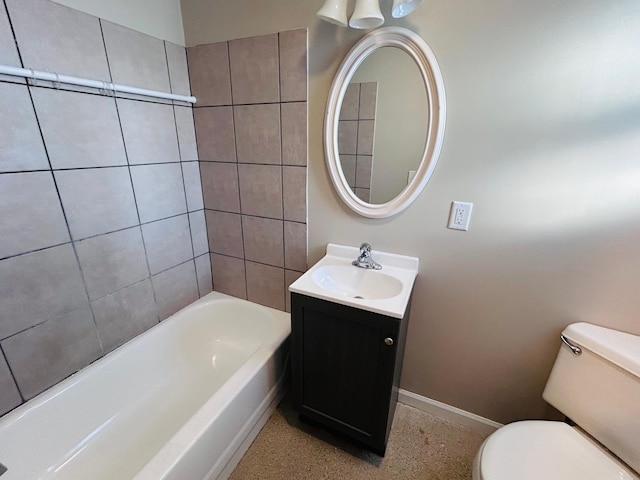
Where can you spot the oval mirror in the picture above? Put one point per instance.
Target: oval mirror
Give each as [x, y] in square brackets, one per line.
[384, 123]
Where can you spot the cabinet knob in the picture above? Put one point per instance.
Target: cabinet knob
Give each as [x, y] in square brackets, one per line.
[388, 341]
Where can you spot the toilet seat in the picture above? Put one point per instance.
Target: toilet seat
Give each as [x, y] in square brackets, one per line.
[536, 450]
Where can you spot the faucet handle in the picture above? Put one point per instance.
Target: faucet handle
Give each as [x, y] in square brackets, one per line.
[365, 248]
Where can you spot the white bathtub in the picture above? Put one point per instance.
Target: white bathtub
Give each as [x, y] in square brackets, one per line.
[182, 401]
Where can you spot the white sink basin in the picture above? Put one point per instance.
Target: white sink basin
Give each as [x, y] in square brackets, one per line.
[354, 282]
[385, 291]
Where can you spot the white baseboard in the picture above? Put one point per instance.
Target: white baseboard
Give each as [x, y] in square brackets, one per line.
[448, 412]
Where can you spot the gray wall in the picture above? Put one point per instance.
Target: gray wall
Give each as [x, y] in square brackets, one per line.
[542, 135]
[102, 227]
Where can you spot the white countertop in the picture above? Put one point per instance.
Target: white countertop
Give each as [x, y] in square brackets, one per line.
[401, 267]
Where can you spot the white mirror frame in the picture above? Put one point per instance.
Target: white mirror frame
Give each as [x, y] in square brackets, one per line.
[420, 52]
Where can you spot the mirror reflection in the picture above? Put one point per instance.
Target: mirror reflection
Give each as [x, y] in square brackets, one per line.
[383, 125]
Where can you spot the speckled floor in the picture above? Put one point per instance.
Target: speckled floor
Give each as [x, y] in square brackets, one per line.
[421, 446]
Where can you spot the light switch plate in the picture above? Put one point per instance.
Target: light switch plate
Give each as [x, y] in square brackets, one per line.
[460, 215]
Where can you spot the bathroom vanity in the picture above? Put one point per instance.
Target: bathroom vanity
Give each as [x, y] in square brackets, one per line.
[348, 330]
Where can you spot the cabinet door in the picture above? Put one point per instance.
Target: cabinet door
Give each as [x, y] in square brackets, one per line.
[343, 369]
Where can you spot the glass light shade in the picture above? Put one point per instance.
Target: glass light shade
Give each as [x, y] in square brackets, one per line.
[403, 8]
[334, 11]
[367, 14]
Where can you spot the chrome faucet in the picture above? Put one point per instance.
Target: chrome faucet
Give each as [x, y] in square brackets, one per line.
[365, 260]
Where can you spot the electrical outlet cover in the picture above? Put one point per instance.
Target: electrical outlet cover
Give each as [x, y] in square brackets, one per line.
[460, 215]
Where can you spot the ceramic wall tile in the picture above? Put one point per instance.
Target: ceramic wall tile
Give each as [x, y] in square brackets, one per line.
[193, 185]
[203, 273]
[225, 233]
[37, 286]
[290, 276]
[229, 275]
[9, 394]
[265, 285]
[186, 133]
[21, 146]
[368, 100]
[67, 42]
[97, 200]
[178, 70]
[294, 193]
[293, 65]
[209, 74]
[8, 51]
[47, 353]
[136, 59]
[254, 69]
[348, 164]
[295, 246]
[294, 133]
[261, 190]
[258, 133]
[113, 261]
[363, 194]
[79, 130]
[263, 240]
[347, 137]
[215, 134]
[199, 233]
[149, 131]
[220, 186]
[350, 102]
[365, 137]
[168, 243]
[125, 314]
[363, 171]
[175, 289]
[159, 191]
[44, 226]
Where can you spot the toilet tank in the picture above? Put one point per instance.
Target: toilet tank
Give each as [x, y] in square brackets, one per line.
[599, 389]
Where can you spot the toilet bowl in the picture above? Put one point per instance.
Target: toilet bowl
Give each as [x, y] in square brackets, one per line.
[596, 382]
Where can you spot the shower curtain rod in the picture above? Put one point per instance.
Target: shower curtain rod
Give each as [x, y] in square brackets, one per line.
[85, 82]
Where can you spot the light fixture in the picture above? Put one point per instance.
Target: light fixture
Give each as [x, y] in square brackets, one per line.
[402, 8]
[334, 11]
[367, 14]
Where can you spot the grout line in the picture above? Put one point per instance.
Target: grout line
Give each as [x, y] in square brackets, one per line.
[94, 167]
[166, 60]
[184, 185]
[247, 104]
[235, 143]
[35, 250]
[13, 376]
[76, 240]
[15, 38]
[230, 74]
[284, 236]
[66, 220]
[133, 190]
[256, 261]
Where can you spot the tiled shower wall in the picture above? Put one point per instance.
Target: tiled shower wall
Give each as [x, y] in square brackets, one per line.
[102, 227]
[251, 127]
[356, 129]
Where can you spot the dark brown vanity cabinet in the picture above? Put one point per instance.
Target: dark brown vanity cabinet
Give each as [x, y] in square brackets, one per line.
[346, 366]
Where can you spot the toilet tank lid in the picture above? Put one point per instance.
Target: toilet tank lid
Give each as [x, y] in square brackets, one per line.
[622, 349]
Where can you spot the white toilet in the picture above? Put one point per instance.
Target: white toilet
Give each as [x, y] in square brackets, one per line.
[595, 382]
